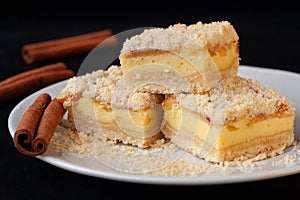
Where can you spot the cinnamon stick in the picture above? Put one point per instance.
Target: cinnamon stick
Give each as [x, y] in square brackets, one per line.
[33, 72]
[32, 80]
[28, 124]
[63, 47]
[50, 119]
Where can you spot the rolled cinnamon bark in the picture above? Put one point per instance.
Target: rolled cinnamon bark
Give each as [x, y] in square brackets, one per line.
[63, 47]
[50, 119]
[34, 72]
[16, 87]
[28, 124]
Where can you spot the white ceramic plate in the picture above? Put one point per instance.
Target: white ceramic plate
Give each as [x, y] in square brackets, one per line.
[286, 83]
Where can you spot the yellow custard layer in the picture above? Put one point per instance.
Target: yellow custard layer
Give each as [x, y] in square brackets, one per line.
[226, 60]
[229, 135]
[142, 124]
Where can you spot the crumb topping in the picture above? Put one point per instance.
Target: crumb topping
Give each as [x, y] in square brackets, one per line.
[104, 87]
[237, 97]
[140, 101]
[100, 85]
[96, 84]
[205, 35]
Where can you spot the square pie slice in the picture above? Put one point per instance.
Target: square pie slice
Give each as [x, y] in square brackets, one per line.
[88, 99]
[238, 120]
[192, 54]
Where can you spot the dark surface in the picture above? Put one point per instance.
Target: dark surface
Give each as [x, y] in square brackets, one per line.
[269, 37]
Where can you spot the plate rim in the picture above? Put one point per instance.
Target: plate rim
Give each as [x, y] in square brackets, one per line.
[160, 180]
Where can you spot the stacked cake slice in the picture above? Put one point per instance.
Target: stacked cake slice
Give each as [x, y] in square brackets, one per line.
[181, 83]
[195, 54]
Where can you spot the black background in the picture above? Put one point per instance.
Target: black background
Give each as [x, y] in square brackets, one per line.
[269, 37]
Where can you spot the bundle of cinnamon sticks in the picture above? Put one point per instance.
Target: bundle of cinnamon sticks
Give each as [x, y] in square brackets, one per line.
[37, 125]
[40, 119]
[24, 83]
[27, 82]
